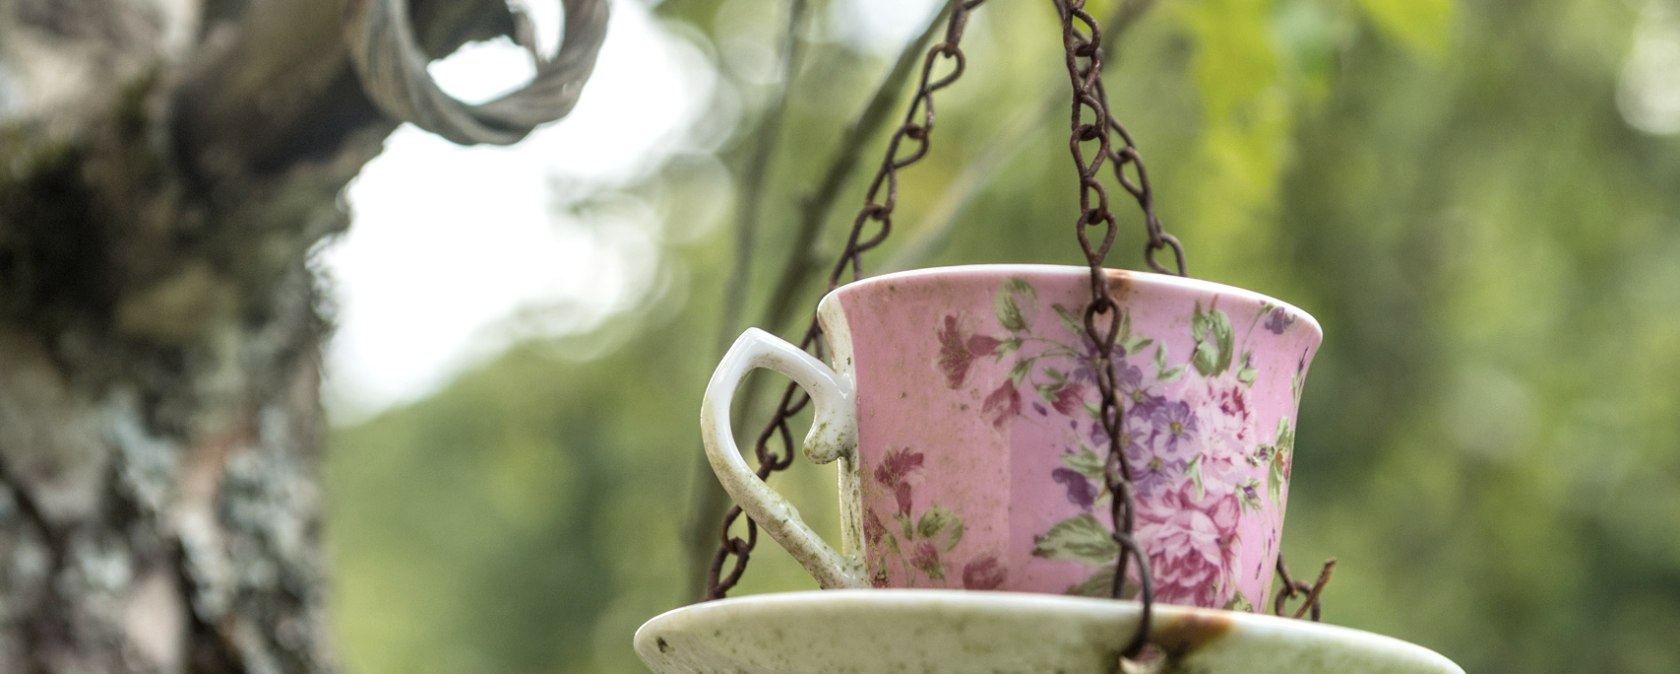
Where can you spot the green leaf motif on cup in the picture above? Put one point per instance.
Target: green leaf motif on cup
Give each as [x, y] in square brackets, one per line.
[1248, 494]
[1086, 463]
[1194, 470]
[1010, 299]
[1070, 321]
[1019, 372]
[1247, 374]
[1212, 333]
[1285, 437]
[1008, 346]
[939, 523]
[1080, 538]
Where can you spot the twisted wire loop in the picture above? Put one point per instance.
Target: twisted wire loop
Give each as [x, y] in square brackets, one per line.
[392, 68]
[1311, 595]
[1091, 126]
[909, 144]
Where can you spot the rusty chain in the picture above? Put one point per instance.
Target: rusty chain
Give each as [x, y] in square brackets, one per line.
[1092, 123]
[1082, 38]
[1311, 594]
[879, 203]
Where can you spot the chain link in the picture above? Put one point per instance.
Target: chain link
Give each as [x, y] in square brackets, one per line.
[1311, 594]
[1082, 38]
[1090, 124]
[879, 203]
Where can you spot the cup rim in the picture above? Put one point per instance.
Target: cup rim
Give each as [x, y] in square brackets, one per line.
[1143, 277]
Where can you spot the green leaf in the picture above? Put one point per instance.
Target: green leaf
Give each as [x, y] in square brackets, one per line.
[908, 527]
[1213, 335]
[1206, 358]
[1069, 320]
[1137, 345]
[1008, 346]
[1077, 539]
[1172, 375]
[1239, 603]
[954, 534]
[934, 521]
[1099, 585]
[1055, 375]
[1194, 470]
[1010, 298]
[1160, 360]
[1086, 463]
[1274, 479]
[1249, 495]
[1247, 374]
[1422, 26]
[1019, 372]
[1285, 437]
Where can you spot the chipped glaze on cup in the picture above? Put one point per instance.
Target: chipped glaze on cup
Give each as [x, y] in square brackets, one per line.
[962, 407]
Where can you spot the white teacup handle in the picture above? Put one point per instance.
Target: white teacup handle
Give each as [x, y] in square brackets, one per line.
[833, 436]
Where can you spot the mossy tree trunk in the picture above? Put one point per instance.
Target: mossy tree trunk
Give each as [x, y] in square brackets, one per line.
[166, 167]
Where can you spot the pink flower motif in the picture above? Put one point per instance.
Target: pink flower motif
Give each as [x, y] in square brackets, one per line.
[1003, 404]
[985, 573]
[898, 465]
[1223, 473]
[1226, 416]
[925, 557]
[873, 530]
[1068, 398]
[1191, 545]
[981, 345]
[956, 353]
[954, 357]
[893, 472]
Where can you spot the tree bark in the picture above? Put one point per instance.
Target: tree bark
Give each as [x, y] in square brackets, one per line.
[166, 167]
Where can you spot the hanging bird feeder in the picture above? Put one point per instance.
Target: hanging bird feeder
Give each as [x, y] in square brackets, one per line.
[1042, 468]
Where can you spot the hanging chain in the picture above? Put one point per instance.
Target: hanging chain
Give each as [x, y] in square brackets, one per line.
[1311, 594]
[879, 203]
[1083, 40]
[1128, 154]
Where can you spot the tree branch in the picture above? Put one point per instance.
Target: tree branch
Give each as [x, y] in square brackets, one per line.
[275, 86]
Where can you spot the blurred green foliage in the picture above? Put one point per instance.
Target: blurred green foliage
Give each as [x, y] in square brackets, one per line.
[1490, 440]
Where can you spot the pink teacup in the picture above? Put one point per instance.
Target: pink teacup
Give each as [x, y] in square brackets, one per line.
[962, 407]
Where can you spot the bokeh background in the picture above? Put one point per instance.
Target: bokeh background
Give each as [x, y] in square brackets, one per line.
[1479, 200]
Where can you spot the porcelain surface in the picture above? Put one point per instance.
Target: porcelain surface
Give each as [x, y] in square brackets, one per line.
[942, 631]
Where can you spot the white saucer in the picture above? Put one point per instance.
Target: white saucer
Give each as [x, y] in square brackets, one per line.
[876, 631]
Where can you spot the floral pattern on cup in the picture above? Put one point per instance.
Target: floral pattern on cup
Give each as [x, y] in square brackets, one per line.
[916, 543]
[1198, 459]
